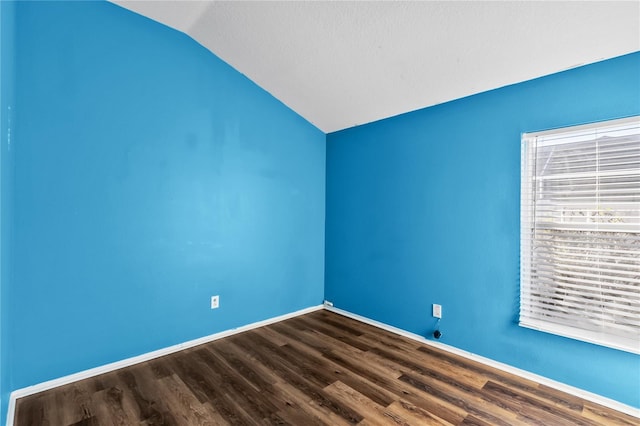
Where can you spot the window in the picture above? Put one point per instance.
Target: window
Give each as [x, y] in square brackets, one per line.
[580, 233]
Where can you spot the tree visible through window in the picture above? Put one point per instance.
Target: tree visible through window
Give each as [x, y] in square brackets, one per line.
[580, 233]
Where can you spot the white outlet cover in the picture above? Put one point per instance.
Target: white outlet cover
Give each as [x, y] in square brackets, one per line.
[215, 302]
[437, 311]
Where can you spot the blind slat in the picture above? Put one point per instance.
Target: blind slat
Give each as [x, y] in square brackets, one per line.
[618, 309]
[583, 288]
[552, 311]
[601, 261]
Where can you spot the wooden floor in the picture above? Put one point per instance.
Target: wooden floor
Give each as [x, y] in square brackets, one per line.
[319, 368]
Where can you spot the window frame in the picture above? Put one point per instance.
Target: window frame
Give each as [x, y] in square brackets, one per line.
[527, 239]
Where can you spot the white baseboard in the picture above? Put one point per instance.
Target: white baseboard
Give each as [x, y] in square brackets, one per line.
[30, 390]
[586, 395]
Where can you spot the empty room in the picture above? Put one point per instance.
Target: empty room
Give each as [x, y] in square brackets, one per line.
[319, 212]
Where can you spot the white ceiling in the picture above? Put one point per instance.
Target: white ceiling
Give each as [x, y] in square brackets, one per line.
[340, 64]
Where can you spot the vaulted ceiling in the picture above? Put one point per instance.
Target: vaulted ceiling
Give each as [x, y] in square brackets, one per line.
[340, 64]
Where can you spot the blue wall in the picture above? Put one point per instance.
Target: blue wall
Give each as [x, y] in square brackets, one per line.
[149, 176]
[424, 208]
[7, 104]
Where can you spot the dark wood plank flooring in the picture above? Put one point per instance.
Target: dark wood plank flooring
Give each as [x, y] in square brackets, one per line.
[316, 369]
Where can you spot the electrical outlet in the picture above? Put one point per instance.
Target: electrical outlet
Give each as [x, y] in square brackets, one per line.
[437, 311]
[215, 302]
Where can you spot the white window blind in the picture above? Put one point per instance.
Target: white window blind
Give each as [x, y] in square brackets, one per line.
[580, 233]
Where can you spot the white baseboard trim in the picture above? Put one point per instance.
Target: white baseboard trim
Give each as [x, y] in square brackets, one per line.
[30, 390]
[581, 393]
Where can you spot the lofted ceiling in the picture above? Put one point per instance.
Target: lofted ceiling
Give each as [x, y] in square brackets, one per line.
[340, 64]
